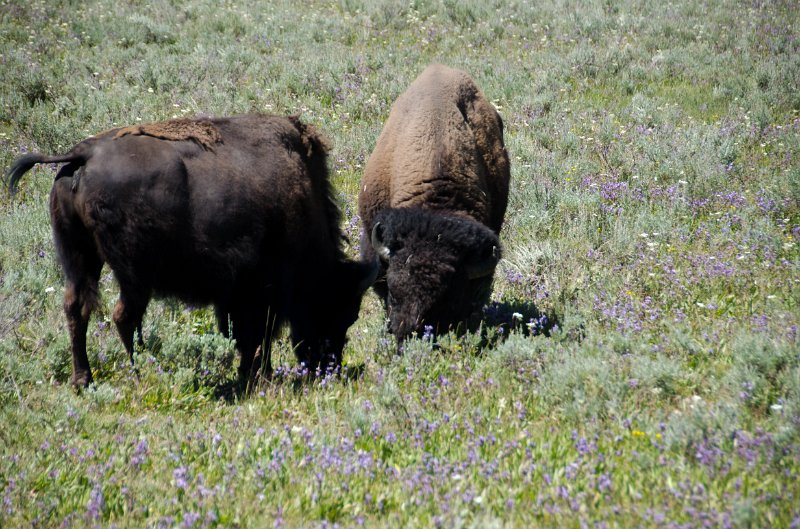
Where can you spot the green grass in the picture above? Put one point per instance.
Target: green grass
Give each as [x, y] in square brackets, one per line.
[654, 214]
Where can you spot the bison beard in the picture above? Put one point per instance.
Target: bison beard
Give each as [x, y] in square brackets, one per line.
[249, 226]
[432, 202]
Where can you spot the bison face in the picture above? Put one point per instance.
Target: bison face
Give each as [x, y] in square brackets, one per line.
[320, 339]
[439, 269]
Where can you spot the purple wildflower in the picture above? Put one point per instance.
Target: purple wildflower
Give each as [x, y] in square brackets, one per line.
[747, 390]
[181, 477]
[140, 452]
[190, 519]
[96, 504]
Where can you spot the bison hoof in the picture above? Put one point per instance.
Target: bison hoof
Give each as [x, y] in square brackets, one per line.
[81, 380]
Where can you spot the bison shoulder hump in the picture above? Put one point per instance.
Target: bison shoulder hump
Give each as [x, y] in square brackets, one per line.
[201, 131]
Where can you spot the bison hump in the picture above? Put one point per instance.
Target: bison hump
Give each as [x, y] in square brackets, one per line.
[201, 131]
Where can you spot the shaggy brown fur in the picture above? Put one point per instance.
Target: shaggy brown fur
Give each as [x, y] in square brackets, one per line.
[441, 148]
[205, 133]
[441, 152]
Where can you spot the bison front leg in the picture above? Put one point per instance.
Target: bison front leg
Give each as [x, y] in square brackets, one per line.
[253, 333]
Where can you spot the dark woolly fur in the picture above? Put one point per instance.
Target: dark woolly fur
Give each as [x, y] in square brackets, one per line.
[456, 233]
[316, 147]
[427, 272]
[249, 226]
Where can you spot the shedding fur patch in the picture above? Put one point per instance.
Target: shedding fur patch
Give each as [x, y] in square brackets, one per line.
[205, 133]
[312, 140]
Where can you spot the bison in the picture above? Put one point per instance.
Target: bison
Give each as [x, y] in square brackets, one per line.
[432, 201]
[237, 212]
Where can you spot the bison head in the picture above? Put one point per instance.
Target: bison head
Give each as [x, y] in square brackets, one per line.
[439, 269]
[319, 338]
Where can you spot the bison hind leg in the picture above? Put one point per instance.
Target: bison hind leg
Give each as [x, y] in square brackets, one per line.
[82, 264]
[128, 315]
[80, 298]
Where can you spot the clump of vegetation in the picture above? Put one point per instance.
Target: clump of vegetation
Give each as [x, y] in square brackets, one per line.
[638, 365]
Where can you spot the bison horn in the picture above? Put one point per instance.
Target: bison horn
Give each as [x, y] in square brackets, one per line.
[485, 266]
[380, 248]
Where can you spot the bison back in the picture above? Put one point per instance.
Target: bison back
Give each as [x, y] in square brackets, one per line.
[200, 224]
[441, 148]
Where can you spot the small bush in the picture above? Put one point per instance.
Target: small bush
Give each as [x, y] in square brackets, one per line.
[202, 360]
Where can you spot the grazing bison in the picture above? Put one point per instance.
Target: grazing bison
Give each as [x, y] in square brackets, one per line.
[432, 202]
[236, 212]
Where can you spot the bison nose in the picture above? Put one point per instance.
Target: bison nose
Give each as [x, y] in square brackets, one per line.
[413, 328]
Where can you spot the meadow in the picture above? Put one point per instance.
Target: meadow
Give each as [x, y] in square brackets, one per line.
[638, 365]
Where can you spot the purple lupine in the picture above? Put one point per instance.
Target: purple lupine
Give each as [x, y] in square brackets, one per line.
[760, 322]
[747, 390]
[97, 502]
[190, 519]
[140, 452]
[181, 477]
[278, 519]
[766, 204]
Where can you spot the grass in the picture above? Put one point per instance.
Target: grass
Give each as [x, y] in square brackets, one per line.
[654, 217]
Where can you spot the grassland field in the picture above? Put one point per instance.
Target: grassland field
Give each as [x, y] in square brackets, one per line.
[653, 229]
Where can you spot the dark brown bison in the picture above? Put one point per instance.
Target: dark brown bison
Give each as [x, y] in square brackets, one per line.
[236, 212]
[432, 202]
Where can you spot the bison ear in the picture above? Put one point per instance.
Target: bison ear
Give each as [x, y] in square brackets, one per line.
[484, 265]
[378, 245]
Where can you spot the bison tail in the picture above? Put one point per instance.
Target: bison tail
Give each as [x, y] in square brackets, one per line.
[23, 164]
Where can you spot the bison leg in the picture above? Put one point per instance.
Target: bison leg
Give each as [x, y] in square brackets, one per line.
[128, 315]
[80, 297]
[79, 300]
[82, 265]
[251, 330]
